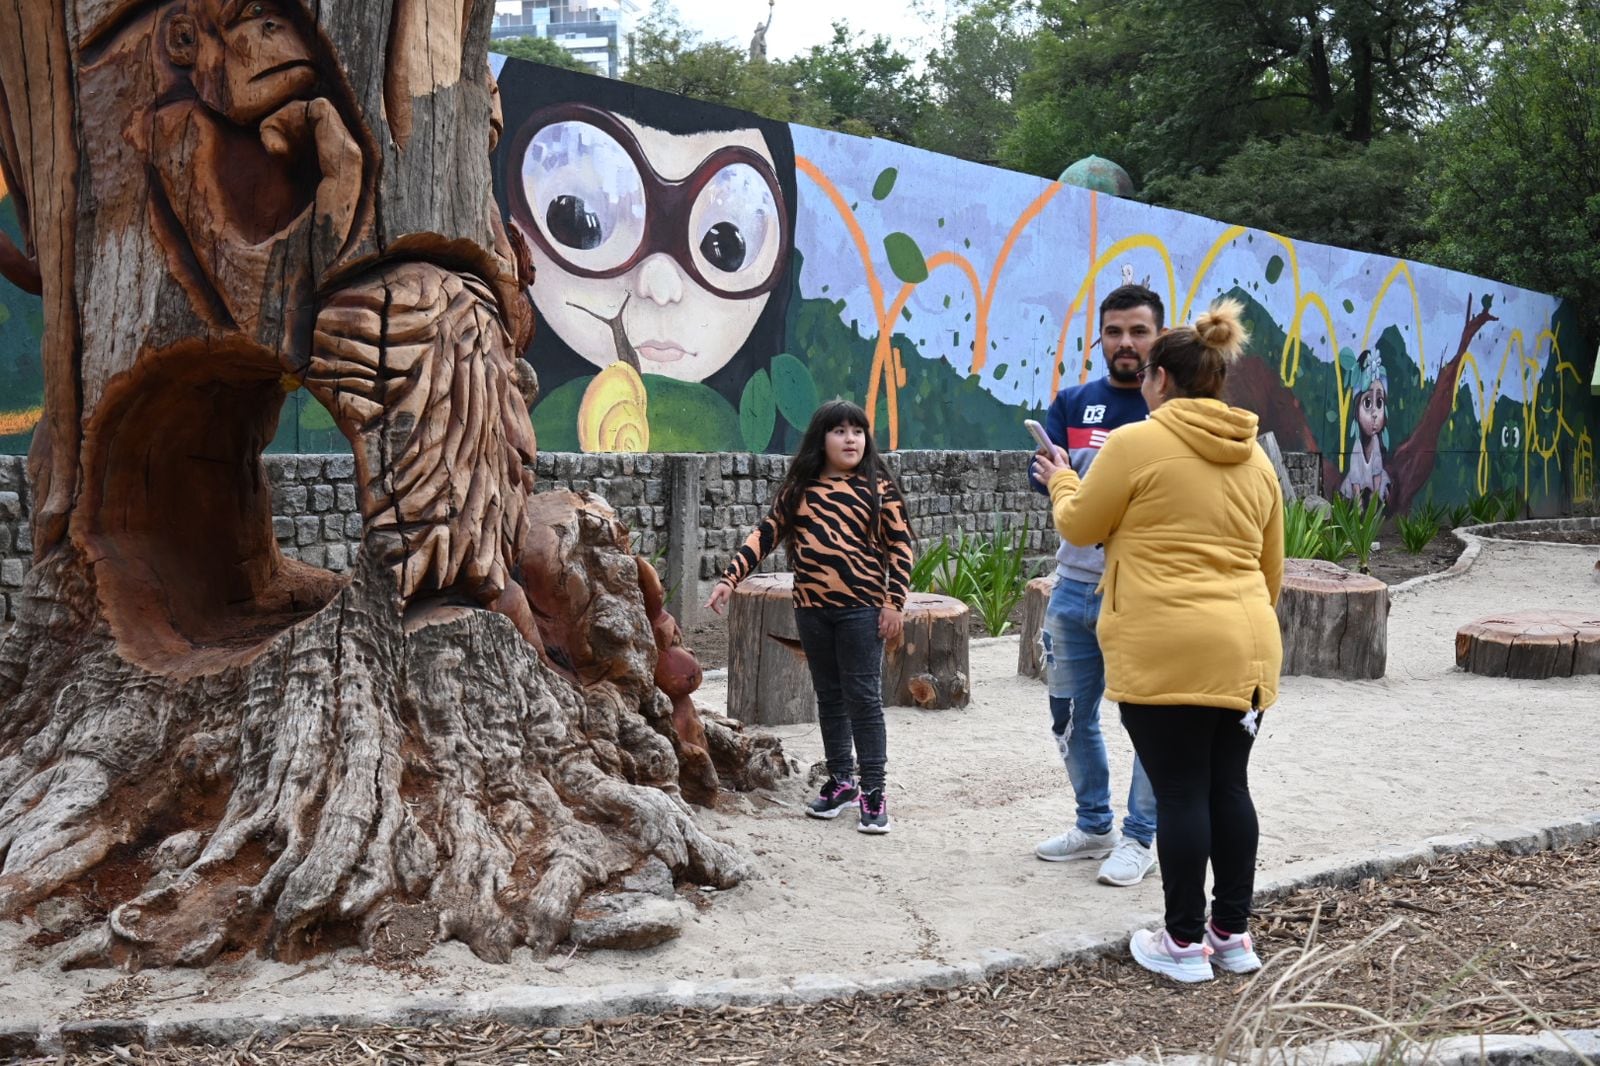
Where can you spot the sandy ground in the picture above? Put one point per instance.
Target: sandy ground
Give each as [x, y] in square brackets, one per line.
[1341, 768]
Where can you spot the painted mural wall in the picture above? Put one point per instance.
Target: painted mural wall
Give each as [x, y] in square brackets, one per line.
[751, 268]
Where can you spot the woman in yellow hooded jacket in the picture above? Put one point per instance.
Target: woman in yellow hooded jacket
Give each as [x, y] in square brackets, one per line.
[1189, 509]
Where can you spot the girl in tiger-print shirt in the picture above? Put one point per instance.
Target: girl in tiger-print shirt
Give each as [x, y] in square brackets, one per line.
[841, 518]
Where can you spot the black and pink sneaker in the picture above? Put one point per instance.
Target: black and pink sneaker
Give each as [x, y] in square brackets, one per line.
[874, 813]
[837, 794]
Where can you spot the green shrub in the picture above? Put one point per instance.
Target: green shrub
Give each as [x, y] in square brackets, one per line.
[1358, 523]
[1510, 505]
[1485, 508]
[1416, 531]
[988, 574]
[1305, 531]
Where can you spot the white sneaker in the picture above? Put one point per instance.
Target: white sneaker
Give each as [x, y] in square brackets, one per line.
[1127, 865]
[1155, 950]
[1235, 953]
[1076, 844]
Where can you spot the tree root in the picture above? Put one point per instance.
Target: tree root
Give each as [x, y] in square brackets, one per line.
[351, 779]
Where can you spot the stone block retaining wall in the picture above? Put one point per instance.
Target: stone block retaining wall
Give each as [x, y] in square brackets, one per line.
[316, 519]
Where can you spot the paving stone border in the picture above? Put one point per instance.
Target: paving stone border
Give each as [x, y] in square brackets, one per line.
[532, 1006]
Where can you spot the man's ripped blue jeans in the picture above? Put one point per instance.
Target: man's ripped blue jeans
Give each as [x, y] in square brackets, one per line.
[1075, 674]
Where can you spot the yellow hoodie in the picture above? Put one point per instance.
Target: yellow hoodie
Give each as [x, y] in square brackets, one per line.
[1189, 509]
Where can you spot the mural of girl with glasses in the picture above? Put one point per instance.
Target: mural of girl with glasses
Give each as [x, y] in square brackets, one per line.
[660, 231]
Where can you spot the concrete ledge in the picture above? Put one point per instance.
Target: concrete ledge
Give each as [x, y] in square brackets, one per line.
[535, 1006]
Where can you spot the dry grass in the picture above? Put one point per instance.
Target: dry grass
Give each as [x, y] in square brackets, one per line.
[1482, 943]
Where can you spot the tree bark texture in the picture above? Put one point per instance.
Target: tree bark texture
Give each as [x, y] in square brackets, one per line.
[492, 719]
[1531, 644]
[1335, 623]
[1030, 648]
[769, 680]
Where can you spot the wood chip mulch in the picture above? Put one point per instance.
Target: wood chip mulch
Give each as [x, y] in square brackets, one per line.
[1479, 943]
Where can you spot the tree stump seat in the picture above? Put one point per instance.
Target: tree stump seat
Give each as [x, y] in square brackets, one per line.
[1335, 622]
[1531, 644]
[1035, 600]
[769, 682]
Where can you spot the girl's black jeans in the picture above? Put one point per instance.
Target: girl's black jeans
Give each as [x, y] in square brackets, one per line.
[845, 654]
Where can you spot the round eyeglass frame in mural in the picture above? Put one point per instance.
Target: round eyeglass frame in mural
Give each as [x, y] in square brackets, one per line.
[665, 200]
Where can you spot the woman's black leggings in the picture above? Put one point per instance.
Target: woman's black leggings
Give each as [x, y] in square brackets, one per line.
[1198, 759]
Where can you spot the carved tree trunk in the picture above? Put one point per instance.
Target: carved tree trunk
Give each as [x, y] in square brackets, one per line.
[491, 718]
[1335, 623]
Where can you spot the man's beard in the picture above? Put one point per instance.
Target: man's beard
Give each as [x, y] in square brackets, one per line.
[1125, 376]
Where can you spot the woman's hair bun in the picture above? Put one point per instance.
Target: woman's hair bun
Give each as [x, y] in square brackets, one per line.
[1221, 329]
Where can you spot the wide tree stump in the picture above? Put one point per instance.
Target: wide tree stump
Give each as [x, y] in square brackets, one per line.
[1030, 652]
[769, 681]
[1531, 644]
[1335, 622]
[927, 667]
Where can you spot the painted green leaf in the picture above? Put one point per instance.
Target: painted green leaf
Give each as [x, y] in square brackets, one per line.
[1487, 301]
[905, 258]
[795, 389]
[885, 183]
[1000, 372]
[905, 313]
[758, 412]
[1274, 269]
[314, 416]
[1349, 308]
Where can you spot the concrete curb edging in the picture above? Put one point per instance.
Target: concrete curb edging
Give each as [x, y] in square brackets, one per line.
[538, 1007]
[1474, 537]
[1561, 1047]
[1473, 544]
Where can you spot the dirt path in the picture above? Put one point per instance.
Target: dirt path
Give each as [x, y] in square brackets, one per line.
[1341, 769]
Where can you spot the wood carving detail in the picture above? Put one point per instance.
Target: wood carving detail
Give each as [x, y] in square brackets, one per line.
[493, 716]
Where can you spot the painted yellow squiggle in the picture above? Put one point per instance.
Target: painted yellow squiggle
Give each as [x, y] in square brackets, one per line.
[1400, 267]
[889, 372]
[1138, 240]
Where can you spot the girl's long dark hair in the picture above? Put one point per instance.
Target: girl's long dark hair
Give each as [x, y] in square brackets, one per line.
[811, 458]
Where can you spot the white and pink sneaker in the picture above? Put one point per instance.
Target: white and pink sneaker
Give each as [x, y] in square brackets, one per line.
[1235, 952]
[1155, 950]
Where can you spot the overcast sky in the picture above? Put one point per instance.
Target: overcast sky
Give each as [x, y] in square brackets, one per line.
[799, 24]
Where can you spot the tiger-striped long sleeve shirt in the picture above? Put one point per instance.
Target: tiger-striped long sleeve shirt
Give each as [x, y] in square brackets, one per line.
[837, 562]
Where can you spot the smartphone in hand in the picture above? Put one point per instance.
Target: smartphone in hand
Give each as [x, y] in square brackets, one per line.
[1040, 436]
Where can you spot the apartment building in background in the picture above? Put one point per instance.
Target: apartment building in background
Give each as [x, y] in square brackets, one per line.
[595, 31]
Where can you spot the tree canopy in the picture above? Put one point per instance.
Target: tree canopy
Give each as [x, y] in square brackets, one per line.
[539, 50]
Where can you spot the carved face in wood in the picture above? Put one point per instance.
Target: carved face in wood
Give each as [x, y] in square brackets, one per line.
[247, 57]
[691, 225]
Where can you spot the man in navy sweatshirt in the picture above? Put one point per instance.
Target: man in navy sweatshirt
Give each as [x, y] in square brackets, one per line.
[1075, 671]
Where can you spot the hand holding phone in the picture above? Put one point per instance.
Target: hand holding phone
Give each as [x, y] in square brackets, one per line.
[1046, 445]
